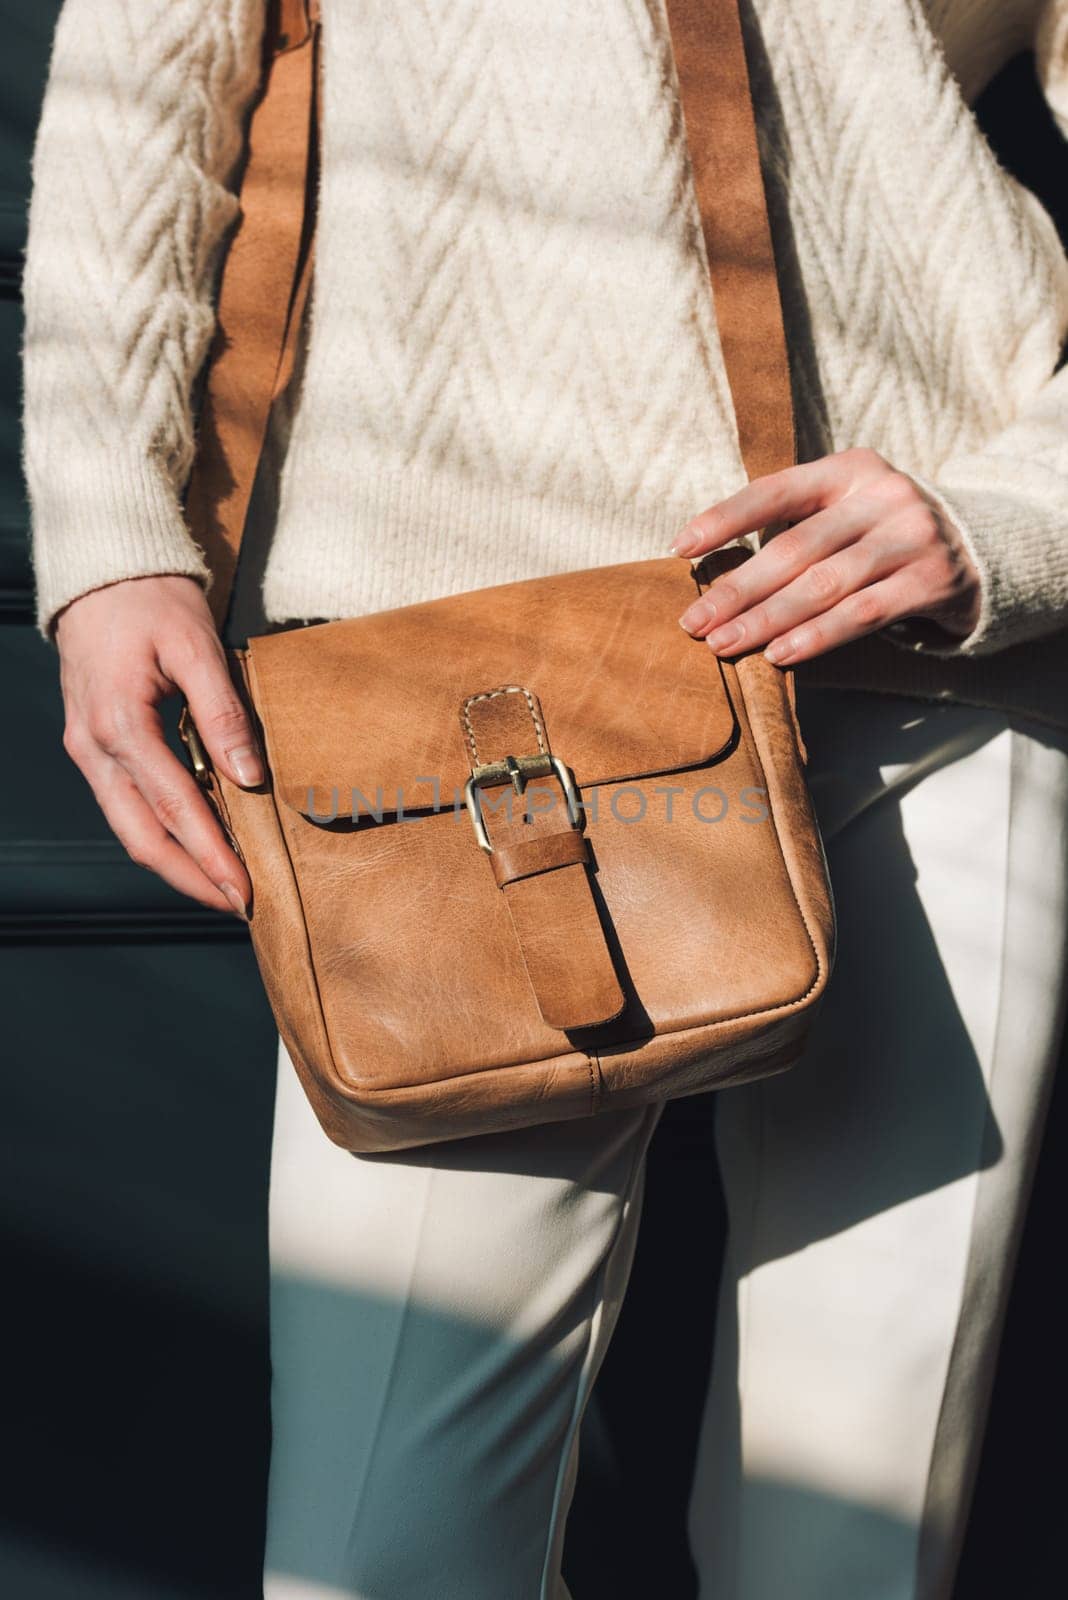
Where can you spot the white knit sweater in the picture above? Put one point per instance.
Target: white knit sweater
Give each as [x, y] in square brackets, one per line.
[512, 366]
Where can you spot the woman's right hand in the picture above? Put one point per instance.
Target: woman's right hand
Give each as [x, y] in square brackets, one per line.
[123, 649]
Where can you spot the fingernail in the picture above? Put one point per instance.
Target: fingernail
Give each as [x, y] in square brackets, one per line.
[697, 616]
[247, 765]
[686, 542]
[778, 650]
[235, 900]
[724, 638]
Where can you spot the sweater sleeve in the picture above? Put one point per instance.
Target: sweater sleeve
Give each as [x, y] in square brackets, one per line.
[1009, 500]
[1009, 503]
[140, 135]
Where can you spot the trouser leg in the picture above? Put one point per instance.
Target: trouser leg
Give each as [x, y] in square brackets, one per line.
[876, 1192]
[437, 1318]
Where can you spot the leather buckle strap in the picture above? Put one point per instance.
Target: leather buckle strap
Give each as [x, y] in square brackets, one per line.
[515, 861]
[262, 293]
[539, 856]
[708, 48]
[291, 25]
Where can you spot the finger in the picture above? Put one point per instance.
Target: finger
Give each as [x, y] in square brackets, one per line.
[200, 671]
[862, 612]
[147, 842]
[133, 738]
[785, 496]
[779, 563]
[815, 591]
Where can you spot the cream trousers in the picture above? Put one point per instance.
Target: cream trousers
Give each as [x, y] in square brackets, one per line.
[439, 1316]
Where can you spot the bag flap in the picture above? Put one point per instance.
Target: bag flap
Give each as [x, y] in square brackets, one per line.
[372, 703]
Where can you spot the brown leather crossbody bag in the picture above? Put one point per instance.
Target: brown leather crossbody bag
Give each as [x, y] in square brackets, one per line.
[531, 852]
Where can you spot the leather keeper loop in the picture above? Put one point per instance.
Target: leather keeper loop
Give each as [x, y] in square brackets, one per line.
[514, 861]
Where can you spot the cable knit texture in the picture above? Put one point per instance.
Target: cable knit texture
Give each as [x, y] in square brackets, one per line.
[141, 128]
[511, 363]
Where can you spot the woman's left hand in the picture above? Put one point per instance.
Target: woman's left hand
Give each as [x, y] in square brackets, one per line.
[864, 548]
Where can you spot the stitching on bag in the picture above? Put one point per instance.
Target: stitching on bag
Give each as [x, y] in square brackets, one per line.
[492, 694]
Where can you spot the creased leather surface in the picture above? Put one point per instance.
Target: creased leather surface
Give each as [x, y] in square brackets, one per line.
[372, 701]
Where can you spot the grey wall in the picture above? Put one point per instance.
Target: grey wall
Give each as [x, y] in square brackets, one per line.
[137, 1073]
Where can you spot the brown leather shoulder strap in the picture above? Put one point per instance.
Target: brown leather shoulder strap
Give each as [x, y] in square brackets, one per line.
[713, 74]
[268, 267]
[261, 294]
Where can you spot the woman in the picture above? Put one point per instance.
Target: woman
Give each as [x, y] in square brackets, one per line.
[512, 367]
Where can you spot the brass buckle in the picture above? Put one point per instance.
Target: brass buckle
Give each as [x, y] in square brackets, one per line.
[198, 756]
[517, 772]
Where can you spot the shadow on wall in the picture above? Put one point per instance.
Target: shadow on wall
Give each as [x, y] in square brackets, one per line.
[136, 1104]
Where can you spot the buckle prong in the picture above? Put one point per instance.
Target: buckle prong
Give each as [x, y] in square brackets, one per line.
[519, 774]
